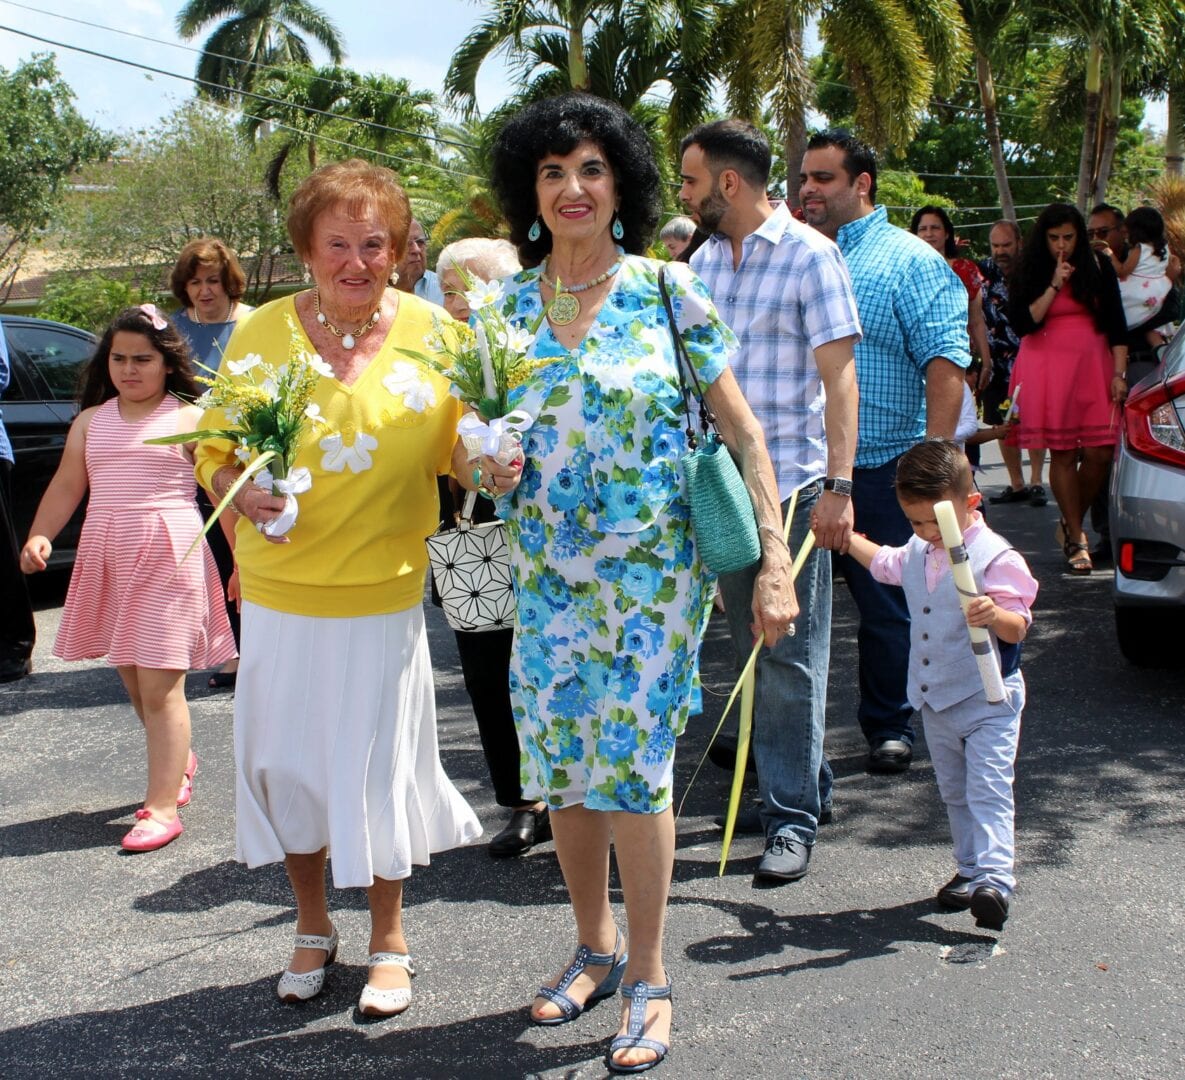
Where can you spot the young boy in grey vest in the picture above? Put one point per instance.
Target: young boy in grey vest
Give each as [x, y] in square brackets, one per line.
[972, 742]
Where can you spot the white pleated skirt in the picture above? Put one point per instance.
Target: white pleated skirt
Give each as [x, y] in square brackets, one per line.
[335, 746]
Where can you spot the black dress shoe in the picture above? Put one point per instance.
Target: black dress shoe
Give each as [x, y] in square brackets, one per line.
[1037, 496]
[1010, 495]
[990, 908]
[786, 858]
[956, 893]
[525, 829]
[723, 754]
[15, 669]
[890, 756]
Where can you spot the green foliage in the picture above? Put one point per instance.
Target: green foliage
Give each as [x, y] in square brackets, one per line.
[191, 176]
[92, 300]
[43, 139]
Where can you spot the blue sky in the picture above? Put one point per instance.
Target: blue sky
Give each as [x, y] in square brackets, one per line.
[413, 39]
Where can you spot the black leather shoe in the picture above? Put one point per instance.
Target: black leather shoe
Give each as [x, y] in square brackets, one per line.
[890, 756]
[990, 908]
[1010, 495]
[15, 669]
[786, 858]
[723, 754]
[1037, 496]
[525, 829]
[955, 894]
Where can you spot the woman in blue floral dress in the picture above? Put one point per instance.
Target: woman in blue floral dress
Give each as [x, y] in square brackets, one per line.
[612, 597]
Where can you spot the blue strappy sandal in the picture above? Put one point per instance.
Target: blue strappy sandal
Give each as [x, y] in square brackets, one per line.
[607, 987]
[639, 994]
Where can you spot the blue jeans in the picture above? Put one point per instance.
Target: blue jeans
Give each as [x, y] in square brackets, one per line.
[789, 711]
[883, 638]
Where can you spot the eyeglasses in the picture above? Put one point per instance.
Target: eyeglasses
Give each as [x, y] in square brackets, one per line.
[1099, 234]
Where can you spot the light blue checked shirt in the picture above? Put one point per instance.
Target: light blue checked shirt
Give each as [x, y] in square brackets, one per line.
[790, 294]
[913, 307]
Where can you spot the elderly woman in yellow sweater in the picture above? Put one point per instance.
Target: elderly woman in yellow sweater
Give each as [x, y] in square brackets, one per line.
[335, 722]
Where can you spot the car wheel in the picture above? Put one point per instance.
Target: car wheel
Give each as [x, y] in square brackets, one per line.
[1147, 636]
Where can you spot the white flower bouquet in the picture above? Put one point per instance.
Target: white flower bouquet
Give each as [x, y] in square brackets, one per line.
[270, 409]
[484, 362]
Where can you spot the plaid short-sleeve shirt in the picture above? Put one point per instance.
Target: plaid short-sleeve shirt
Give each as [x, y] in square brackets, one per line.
[913, 308]
[790, 294]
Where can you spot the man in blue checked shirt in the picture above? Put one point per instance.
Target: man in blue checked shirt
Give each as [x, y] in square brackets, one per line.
[785, 292]
[909, 366]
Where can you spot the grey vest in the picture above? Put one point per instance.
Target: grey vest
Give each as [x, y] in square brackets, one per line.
[942, 667]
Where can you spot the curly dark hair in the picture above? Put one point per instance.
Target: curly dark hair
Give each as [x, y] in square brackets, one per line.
[555, 126]
[95, 385]
[1145, 225]
[949, 249]
[1035, 267]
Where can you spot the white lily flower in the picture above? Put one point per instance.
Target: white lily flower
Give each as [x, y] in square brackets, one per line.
[318, 365]
[313, 411]
[483, 294]
[241, 367]
[271, 387]
[518, 339]
[243, 454]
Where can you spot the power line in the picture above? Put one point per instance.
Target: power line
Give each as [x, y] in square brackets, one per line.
[309, 109]
[175, 44]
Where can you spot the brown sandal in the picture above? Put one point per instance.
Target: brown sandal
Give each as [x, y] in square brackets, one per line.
[1078, 556]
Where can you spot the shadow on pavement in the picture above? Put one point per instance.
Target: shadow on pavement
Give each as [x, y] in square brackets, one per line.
[72, 831]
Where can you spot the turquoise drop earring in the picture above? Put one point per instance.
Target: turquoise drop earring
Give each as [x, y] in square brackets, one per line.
[534, 232]
[618, 229]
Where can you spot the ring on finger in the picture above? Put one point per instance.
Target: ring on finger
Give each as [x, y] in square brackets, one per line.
[260, 525]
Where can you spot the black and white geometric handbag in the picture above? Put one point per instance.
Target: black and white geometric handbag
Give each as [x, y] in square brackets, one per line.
[471, 567]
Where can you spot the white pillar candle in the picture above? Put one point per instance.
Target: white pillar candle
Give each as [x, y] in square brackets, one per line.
[964, 579]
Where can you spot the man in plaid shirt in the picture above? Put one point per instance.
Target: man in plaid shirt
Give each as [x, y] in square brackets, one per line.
[910, 365]
[785, 292]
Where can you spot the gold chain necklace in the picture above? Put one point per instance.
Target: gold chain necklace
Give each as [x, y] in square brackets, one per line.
[349, 340]
[565, 308]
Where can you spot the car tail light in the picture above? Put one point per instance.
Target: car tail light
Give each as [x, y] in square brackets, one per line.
[1152, 422]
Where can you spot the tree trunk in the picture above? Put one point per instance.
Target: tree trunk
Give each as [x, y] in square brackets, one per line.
[1174, 136]
[1109, 137]
[794, 148]
[1090, 126]
[794, 134]
[991, 120]
[577, 64]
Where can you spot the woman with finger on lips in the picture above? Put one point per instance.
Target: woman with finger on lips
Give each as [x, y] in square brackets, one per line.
[612, 599]
[335, 721]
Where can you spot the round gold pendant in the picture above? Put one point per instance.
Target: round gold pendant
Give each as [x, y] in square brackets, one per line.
[564, 309]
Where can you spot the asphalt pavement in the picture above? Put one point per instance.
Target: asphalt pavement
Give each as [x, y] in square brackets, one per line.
[164, 964]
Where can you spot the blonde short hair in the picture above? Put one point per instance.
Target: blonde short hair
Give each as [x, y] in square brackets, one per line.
[358, 188]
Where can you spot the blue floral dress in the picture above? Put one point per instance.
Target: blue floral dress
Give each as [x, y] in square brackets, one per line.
[612, 598]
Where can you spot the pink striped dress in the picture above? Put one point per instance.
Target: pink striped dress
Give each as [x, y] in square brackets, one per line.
[129, 598]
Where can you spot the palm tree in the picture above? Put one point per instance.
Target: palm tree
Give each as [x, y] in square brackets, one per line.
[305, 104]
[253, 35]
[985, 19]
[618, 49]
[895, 55]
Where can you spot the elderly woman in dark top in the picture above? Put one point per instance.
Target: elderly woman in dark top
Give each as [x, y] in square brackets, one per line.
[612, 597]
[1072, 364]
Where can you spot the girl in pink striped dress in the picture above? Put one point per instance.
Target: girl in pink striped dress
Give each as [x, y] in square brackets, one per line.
[133, 596]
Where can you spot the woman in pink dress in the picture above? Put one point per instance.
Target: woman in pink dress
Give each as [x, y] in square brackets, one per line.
[134, 596]
[1072, 363]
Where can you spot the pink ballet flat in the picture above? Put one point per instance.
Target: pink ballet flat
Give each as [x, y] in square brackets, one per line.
[186, 791]
[144, 838]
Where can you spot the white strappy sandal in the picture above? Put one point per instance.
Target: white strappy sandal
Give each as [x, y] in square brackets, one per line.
[301, 986]
[376, 1002]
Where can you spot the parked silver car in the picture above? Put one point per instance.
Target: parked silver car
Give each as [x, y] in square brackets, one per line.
[1148, 516]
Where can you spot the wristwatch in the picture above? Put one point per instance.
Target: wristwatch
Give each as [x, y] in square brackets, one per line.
[839, 484]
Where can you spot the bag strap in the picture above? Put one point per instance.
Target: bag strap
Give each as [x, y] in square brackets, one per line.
[465, 521]
[683, 364]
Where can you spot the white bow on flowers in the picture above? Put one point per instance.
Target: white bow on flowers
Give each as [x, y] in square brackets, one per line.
[295, 483]
[497, 437]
